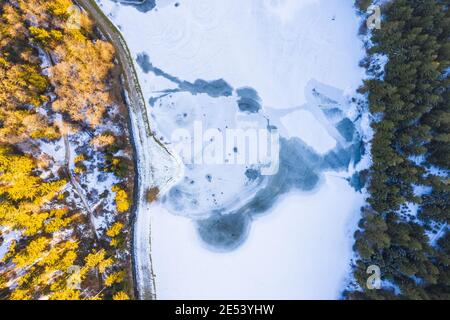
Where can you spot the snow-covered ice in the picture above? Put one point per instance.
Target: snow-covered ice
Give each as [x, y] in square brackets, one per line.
[226, 230]
[303, 124]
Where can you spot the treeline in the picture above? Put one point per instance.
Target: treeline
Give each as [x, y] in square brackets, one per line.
[410, 155]
[52, 251]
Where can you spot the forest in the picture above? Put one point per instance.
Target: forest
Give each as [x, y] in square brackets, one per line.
[59, 91]
[404, 227]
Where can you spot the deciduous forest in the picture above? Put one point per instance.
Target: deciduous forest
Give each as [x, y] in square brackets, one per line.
[59, 89]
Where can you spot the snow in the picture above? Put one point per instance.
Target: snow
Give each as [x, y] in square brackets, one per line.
[377, 66]
[8, 237]
[301, 59]
[45, 59]
[286, 10]
[420, 190]
[55, 149]
[304, 125]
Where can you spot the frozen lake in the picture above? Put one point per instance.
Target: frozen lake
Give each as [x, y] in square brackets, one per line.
[277, 227]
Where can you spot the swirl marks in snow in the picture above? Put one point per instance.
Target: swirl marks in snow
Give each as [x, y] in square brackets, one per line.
[207, 14]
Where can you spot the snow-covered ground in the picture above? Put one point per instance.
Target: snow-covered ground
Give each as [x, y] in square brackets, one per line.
[7, 237]
[227, 230]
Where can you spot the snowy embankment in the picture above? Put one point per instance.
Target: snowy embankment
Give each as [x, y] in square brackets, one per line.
[228, 231]
[153, 166]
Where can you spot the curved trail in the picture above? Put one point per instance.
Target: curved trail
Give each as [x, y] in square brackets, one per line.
[76, 185]
[149, 173]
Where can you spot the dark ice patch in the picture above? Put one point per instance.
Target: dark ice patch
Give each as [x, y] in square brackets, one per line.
[252, 174]
[141, 5]
[143, 61]
[340, 158]
[347, 129]
[357, 181]
[224, 232]
[249, 101]
[215, 88]
[333, 113]
[298, 165]
[337, 159]
[359, 150]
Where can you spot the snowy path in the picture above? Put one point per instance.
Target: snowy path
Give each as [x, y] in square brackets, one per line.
[76, 185]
